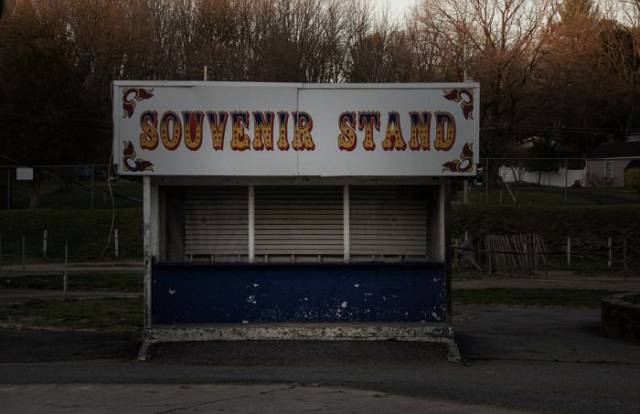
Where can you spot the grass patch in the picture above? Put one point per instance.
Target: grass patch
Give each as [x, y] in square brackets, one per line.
[570, 298]
[103, 314]
[56, 195]
[121, 281]
[86, 232]
[589, 227]
[125, 314]
[536, 195]
[588, 223]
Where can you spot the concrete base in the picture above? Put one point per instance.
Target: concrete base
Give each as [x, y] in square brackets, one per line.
[416, 332]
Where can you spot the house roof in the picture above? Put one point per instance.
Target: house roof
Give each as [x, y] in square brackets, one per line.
[616, 150]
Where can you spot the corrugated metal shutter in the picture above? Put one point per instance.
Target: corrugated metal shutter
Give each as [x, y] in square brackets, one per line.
[305, 222]
[388, 221]
[216, 223]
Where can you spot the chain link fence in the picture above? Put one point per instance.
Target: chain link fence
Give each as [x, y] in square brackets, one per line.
[500, 181]
[97, 214]
[553, 182]
[66, 187]
[587, 225]
[81, 213]
[578, 254]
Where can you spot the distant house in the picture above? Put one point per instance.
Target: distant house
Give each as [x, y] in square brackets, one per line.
[555, 174]
[558, 178]
[530, 142]
[614, 164]
[611, 164]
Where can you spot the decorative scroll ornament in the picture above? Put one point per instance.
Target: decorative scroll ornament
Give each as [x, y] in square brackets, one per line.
[464, 97]
[131, 163]
[131, 96]
[465, 162]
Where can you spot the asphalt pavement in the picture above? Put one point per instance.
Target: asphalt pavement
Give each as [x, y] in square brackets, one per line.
[228, 398]
[522, 359]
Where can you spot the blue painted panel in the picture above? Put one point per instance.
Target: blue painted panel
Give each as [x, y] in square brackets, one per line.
[196, 293]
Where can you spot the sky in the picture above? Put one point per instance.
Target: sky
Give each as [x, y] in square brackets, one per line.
[397, 7]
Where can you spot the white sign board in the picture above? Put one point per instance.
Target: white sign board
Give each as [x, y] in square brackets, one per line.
[267, 129]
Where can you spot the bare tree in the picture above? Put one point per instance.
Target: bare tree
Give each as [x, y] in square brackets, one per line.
[497, 42]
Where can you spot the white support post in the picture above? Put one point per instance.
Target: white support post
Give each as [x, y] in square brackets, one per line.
[146, 225]
[610, 253]
[252, 223]
[346, 225]
[568, 251]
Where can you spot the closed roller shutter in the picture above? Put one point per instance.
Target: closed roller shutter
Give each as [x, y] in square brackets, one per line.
[303, 222]
[388, 221]
[216, 223]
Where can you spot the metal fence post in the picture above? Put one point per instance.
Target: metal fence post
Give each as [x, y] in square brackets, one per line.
[92, 183]
[610, 253]
[624, 257]
[65, 276]
[532, 266]
[24, 253]
[566, 182]
[486, 180]
[44, 243]
[488, 254]
[8, 188]
[568, 251]
[116, 243]
[465, 191]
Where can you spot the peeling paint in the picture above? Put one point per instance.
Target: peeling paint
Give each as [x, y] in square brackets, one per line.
[219, 293]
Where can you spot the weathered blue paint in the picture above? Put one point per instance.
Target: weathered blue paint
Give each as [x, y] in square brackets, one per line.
[196, 293]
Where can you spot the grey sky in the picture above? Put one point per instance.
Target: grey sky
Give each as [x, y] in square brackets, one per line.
[397, 7]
